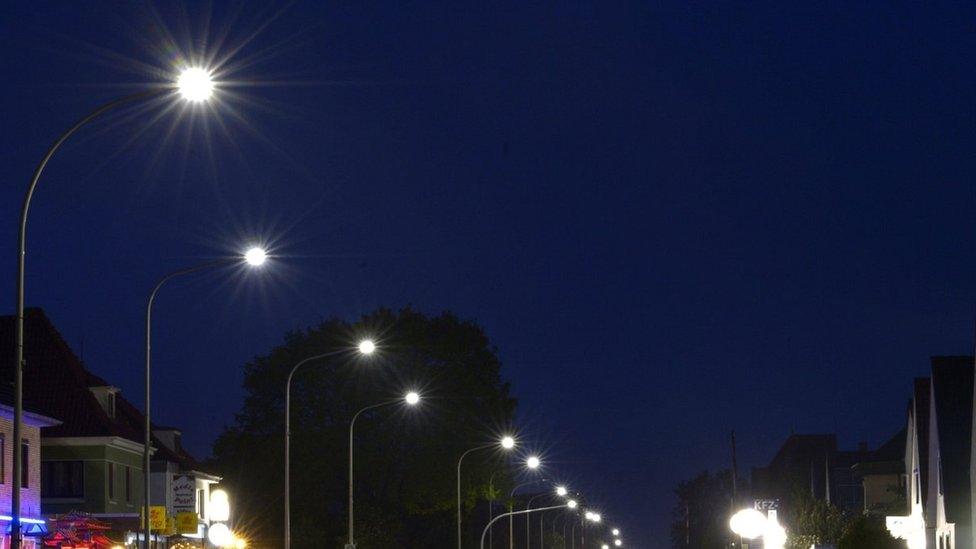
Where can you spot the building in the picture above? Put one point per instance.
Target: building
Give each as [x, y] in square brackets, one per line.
[91, 461]
[939, 459]
[32, 520]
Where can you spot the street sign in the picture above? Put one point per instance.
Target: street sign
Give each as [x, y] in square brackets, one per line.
[157, 517]
[184, 494]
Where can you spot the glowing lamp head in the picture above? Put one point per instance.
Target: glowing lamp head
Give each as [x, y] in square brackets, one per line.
[597, 517]
[533, 462]
[588, 515]
[219, 509]
[255, 257]
[748, 523]
[508, 443]
[219, 535]
[412, 398]
[604, 546]
[195, 84]
[561, 491]
[615, 532]
[571, 504]
[617, 542]
[366, 347]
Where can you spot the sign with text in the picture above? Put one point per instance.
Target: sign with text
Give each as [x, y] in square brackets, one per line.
[766, 504]
[184, 494]
[157, 517]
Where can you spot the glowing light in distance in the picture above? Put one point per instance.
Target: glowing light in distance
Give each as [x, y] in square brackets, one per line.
[588, 515]
[561, 491]
[571, 504]
[508, 443]
[533, 462]
[367, 346]
[597, 517]
[748, 523]
[617, 542]
[220, 535]
[219, 509]
[604, 546]
[240, 543]
[774, 536]
[615, 532]
[195, 84]
[255, 257]
[412, 398]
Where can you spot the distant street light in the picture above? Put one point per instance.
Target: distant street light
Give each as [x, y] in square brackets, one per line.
[194, 88]
[365, 347]
[617, 542]
[512, 513]
[248, 258]
[507, 443]
[748, 523]
[411, 398]
[533, 462]
[195, 84]
[615, 532]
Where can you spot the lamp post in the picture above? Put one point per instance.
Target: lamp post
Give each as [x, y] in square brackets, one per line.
[532, 463]
[365, 348]
[254, 257]
[560, 491]
[411, 399]
[200, 89]
[570, 504]
[507, 443]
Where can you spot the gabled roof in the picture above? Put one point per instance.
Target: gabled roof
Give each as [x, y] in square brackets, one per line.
[952, 385]
[56, 384]
[921, 420]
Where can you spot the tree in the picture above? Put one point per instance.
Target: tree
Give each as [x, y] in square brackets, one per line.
[701, 514]
[405, 491]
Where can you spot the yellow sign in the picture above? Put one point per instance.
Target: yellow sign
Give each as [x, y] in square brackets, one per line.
[170, 526]
[157, 517]
[186, 523]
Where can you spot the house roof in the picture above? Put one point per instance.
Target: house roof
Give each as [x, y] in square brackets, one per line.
[56, 384]
[921, 420]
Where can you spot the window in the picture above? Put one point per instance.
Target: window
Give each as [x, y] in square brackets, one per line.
[128, 484]
[202, 504]
[111, 481]
[62, 479]
[25, 464]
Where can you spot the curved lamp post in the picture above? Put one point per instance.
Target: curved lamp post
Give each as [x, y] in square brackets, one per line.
[532, 463]
[506, 443]
[254, 257]
[365, 347]
[194, 84]
[411, 399]
[571, 504]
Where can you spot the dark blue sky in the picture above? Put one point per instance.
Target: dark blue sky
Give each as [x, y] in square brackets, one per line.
[673, 219]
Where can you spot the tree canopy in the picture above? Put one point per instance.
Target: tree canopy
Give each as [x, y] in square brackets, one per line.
[405, 457]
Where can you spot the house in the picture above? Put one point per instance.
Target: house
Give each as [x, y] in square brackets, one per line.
[92, 461]
[32, 522]
[939, 458]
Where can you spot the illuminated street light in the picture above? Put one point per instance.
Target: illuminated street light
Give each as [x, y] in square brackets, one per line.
[604, 546]
[365, 348]
[617, 542]
[411, 399]
[249, 258]
[507, 442]
[219, 535]
[597, 517]
[561, 491]
[571, 504]
[195, 84]
[615, 532]
[219, 509]
[533, 462]
[256, 256]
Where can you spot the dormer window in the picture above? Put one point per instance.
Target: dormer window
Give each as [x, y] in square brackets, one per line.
[106, 397]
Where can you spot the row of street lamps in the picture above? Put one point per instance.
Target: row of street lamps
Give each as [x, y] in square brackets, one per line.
[196, 85]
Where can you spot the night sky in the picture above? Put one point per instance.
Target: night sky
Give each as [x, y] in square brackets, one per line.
[673, 219]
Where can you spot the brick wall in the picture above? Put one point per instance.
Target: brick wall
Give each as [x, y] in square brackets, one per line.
[30, 498]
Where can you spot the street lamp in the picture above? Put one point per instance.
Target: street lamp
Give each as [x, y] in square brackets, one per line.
[507, 443]
[525, 512]
[411, 398]
[617, 542]
[560, 491]
[195, 84]
[365, 347]
[533, 462]
[18, 364]
[615, 532]
[249, 257]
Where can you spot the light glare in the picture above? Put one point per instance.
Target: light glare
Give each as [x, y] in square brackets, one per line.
[615, 532]
[617, 542]
[561, 491]
[533, 462]
[412, 398]
[367, 346]
[571, 504]
[508, 443]
[195, 84]
[255, 256]
[748, 523]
